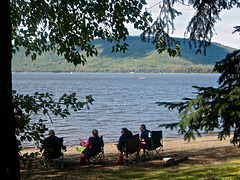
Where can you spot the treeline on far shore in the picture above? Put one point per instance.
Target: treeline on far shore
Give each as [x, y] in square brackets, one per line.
[194, 69]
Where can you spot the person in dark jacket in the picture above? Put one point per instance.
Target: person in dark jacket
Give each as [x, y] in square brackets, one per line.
[122, 142]
[52, 146]
[145, 138]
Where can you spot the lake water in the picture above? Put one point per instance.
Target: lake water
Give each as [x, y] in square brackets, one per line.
[121, 100]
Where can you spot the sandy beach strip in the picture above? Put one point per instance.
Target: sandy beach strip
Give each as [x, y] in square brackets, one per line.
[204, 149]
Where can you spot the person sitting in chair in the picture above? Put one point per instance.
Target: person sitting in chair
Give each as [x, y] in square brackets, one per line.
[145, 138]
[122, 142]
[94, 144]
[53, 145]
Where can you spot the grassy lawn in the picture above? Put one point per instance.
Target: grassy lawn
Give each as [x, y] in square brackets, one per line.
[148, 170]
[224, 170]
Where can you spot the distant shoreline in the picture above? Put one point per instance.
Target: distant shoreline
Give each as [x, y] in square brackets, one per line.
[101, 73]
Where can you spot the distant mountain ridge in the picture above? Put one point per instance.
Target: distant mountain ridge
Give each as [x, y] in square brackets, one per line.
[140, 58]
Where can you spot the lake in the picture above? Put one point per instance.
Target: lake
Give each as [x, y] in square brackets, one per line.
[121, 100]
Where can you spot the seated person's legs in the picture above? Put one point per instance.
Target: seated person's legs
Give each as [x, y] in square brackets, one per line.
[144, 146]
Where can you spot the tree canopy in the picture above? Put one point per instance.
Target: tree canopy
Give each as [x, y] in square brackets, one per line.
[70, 26]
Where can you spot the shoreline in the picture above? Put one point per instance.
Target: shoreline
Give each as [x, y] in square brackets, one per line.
[70, 72]
[214, 135]
[170, 146]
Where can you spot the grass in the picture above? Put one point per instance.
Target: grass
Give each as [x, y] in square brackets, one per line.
[225, 170]
[229, 169]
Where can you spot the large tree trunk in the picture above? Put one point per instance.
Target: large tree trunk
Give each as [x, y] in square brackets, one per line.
[9, 165]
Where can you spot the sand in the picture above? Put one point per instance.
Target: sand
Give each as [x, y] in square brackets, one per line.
[202, 150]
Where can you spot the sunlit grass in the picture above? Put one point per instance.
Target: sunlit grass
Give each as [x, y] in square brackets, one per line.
[224, 170]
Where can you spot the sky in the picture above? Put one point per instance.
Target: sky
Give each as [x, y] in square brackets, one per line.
[223, 28]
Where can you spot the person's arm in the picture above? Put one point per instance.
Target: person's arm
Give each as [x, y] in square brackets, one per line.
[141, 137]
[144, 137]
[45, 143]
[64, 148]
[147, 137]
[122, 140]
[101, 140]
[149, 134]
[119, 144]
[83, 143]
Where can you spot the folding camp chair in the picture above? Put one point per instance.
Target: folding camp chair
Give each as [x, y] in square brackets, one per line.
[156, 149]
[131, 152]
[95, 151]
[52, 154]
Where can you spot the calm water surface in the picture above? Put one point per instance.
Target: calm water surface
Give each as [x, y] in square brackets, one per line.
[121, 100]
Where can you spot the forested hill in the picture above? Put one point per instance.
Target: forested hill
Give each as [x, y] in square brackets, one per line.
[140, 58]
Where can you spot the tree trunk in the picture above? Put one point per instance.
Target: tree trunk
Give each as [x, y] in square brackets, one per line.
[9, 165]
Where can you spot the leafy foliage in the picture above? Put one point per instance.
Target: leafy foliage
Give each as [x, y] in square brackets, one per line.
[160, 29]
[67, 25]
[213, 108]
[237, 29]
[70, 27]
[200, 28]
[43, 104]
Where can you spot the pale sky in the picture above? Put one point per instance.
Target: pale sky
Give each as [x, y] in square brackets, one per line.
[224, 28]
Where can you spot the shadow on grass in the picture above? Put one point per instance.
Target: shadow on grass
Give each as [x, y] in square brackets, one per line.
[205, 164]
